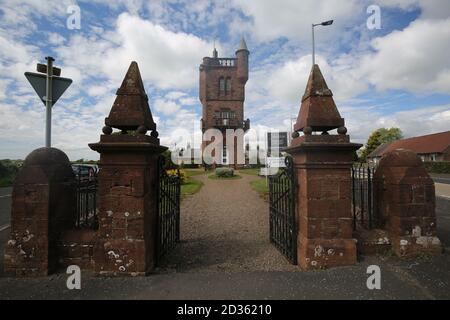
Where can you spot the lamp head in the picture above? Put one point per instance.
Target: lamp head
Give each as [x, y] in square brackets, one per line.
[327, 23]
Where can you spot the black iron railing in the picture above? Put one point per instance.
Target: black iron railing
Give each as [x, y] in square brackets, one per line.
[86, 201]
[363, 196]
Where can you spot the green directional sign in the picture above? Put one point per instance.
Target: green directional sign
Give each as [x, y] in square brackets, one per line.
[38, 82]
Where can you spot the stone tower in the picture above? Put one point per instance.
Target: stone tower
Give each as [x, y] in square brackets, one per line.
[222, 94]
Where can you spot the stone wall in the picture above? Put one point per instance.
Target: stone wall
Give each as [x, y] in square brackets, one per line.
[76, 247]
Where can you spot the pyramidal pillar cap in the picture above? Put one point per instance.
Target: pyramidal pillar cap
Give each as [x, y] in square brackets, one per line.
[318, 112]
[131, 110]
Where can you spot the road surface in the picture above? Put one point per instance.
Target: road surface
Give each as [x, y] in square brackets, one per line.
[5, 207]
[442, 180]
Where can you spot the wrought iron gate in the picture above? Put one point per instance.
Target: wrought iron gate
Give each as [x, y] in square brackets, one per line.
[363, 201]
[168, 210]
[283, 226]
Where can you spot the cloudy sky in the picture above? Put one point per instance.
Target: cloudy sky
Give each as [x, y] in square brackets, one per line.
[398, 75]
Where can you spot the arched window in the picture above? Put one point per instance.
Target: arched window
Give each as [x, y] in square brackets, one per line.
[222, 84]
[228, 89]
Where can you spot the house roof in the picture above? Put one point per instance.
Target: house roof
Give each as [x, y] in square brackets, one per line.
[432, 143]
[378, 152]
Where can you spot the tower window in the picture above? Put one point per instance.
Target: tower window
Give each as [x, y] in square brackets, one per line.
[222, 84]
[228, 89]
[225, 114]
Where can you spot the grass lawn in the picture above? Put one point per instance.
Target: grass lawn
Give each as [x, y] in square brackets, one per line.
[260, 187]
[251, 171]
[214, 177]
[194, 172]
[192, 185]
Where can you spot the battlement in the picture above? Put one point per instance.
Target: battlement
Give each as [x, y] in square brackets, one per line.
[220, 62]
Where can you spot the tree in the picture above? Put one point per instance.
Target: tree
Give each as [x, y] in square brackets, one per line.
[168, 164]
[377, 138]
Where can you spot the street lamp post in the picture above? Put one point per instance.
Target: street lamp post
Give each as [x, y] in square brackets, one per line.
[325, 23]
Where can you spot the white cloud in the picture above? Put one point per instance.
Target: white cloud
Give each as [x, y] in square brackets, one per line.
[190, 101]
[166, 107]
[13, 51]
[284, 83]
[174, 95]
[434, 9]
[18, 15]
[362, 121]
[293, 18]
[96, 90]
[414, 59]
[56, 39]
[181, 128]
[166, 59]
[3, 87]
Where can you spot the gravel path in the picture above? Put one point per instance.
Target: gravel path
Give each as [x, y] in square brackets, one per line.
[225, 228]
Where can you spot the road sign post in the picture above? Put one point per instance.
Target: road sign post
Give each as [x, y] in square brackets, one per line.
[49, 88]
[48, 103]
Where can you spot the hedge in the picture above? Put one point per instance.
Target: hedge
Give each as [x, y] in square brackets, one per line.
[437, 167]
[8, 171]
[224, 172]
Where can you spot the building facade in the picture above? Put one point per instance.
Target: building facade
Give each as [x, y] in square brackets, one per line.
[222, 94]
[433, 147]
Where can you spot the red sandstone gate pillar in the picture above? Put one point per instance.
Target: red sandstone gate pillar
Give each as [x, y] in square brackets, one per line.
[322, 164]
[128, 181]
[43, 206]
[405, 200]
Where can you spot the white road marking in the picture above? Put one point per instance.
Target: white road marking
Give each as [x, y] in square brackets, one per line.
[3, 228]
[6, 196]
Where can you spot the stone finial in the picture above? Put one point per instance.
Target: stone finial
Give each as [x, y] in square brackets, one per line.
[318, 110]
[131, 109]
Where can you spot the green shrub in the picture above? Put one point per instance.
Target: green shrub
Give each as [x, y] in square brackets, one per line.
[224, 172]
[8, 171]
[183, 174]
[437, 167]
